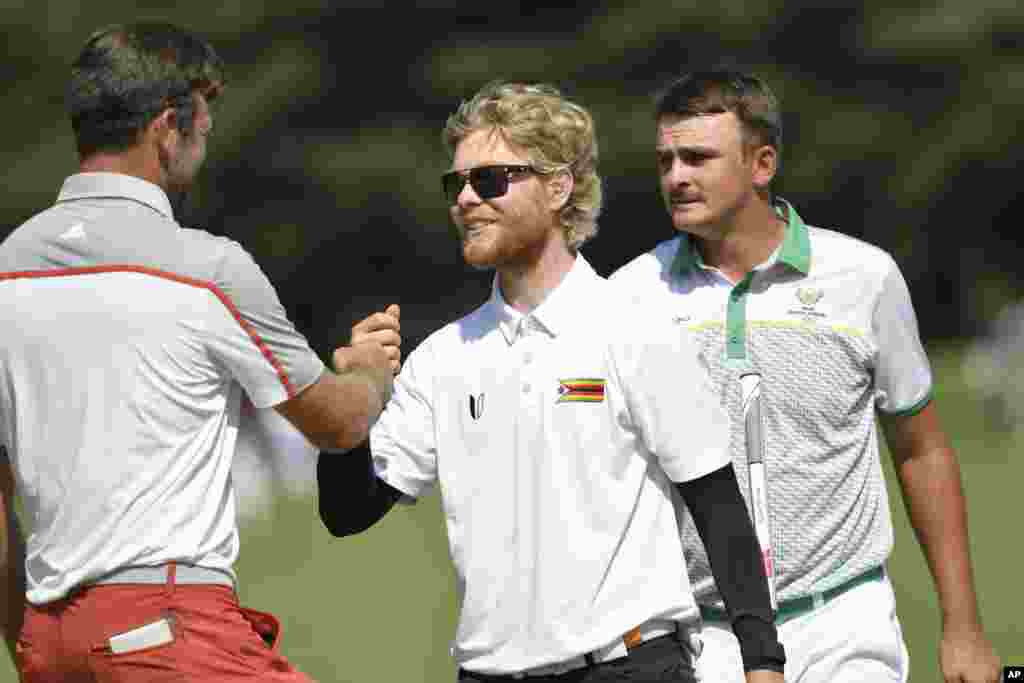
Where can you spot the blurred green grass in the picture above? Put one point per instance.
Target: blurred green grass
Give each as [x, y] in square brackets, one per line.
[381, 606]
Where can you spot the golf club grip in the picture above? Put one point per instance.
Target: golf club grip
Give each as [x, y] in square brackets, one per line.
[753, 427]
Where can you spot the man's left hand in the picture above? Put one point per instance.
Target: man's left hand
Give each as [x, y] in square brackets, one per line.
[967, 656]
[764, 676]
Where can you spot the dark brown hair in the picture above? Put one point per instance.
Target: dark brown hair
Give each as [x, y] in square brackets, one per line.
[126, 75]
[716, 91]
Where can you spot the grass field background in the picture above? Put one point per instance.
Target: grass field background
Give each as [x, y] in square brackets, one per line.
[380, 607]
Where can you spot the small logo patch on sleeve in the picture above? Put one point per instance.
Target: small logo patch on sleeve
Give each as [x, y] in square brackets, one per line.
[580, 390]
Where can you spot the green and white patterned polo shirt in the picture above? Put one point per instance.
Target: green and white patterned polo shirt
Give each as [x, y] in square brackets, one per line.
[828, 322]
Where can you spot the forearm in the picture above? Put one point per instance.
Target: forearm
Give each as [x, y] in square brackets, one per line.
[721, 518]
[934, 499]
[356, 405]
[337, 412]
[929, 477]
[351, 496]
[932, 490]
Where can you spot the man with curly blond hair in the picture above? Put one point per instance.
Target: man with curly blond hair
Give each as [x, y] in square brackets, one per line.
[552, 425]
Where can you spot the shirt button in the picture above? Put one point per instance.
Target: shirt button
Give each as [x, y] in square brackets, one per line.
[526, 388]
[527, 357]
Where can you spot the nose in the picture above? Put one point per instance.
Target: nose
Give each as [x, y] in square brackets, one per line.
[676, 175]
[467, 196]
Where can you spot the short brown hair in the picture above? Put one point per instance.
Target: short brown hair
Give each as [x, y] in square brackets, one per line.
[126, 75]
[716, 91]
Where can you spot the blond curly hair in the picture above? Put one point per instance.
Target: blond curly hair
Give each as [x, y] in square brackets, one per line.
[554, 133]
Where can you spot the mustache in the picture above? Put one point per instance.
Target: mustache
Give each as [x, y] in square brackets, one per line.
[467, 223]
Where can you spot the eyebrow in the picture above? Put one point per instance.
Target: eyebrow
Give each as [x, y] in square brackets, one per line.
[693, 149]
[452, 168]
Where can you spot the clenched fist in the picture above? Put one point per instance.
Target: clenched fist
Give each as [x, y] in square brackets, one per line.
[384, 329]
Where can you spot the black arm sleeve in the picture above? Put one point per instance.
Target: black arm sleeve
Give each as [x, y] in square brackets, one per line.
[724, 525]
[351, 497]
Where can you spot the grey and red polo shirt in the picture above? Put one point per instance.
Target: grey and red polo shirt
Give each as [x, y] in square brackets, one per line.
[127, 342]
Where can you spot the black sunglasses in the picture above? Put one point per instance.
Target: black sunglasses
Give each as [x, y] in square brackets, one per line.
[487, 181]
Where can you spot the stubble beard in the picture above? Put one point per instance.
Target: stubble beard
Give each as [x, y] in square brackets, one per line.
[480, 253]
[181, 174]
[682, 223]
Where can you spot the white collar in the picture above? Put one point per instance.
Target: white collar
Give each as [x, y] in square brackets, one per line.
[558, 311]
[94, 185]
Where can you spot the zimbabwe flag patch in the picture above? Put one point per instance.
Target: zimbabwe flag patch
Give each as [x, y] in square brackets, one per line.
[580, 390]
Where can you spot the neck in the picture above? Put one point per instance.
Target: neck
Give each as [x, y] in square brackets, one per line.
[524, 287]
[754, 233]
[135, 161]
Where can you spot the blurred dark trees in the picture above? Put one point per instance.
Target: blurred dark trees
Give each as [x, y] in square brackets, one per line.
[903, 127]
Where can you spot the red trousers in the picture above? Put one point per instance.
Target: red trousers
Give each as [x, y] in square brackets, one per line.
[212, 638]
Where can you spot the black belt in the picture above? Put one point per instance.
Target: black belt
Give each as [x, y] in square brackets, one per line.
[632, 639]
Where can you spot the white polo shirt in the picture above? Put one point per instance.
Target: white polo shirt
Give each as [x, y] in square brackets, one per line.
[827, 320]
[127, 343]
[554, 437]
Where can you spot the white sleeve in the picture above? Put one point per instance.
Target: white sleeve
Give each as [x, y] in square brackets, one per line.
[672, 403]
[403, 441]
[903, 376]
[254, 339]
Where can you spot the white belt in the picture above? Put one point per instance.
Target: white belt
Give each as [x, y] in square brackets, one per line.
[186, 574]
[616, 650]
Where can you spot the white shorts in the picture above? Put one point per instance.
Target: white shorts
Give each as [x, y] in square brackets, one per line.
[853, 638]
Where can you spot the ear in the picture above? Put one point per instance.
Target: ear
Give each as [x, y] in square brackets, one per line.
[559, 188]
[764, 164]
[163, 131]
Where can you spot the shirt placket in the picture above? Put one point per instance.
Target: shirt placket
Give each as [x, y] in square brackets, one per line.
[736, 323]
[737, 357]
[529, 446]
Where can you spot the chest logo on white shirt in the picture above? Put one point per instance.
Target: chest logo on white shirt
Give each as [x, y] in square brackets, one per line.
[75, 232]
[580, 390]
[476, 406]
[808, 298]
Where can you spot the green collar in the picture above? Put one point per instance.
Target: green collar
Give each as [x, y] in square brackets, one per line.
[795, 251]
